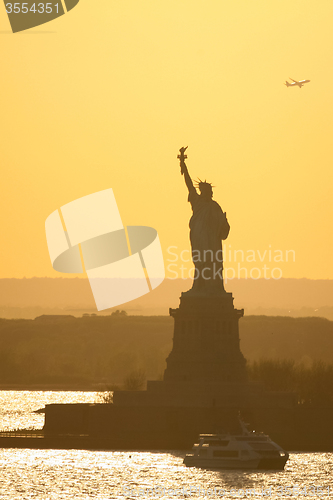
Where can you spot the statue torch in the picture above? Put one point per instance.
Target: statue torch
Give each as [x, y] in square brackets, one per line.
[182, 157]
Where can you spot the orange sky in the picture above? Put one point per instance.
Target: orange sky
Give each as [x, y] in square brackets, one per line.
[106, 95]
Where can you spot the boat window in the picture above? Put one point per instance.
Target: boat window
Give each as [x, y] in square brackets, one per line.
[225, 453]
[218, 442]
[268, 453]
[262, 446]
[251, 438]
[203, 452]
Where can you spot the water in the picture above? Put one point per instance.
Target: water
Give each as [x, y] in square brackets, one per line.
[78, 475]
[82, 475]
[17, 407]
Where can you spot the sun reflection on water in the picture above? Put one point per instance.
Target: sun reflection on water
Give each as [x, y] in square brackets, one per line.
[76, 474]
[17, 407]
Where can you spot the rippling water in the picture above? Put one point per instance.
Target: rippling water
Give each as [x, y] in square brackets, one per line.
[82, 475]
[17, 407]
[71, 474]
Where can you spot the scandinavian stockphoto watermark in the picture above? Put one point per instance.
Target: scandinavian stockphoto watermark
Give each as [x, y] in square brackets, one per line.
[197, 491]
[29, 14]
[237, 263]
[122, 262]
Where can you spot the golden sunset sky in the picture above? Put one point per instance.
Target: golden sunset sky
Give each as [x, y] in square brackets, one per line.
[106, 95]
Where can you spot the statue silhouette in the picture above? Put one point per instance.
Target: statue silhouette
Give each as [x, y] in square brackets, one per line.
[208, 227]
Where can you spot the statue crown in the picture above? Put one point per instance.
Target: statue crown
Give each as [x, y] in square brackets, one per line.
[202, 184]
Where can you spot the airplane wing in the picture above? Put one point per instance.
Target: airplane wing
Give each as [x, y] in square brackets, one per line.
[295, 81]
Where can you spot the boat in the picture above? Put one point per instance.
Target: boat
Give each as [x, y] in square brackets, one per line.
[247, 450]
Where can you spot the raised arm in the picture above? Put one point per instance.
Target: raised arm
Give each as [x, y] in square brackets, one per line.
[183, 170]
[188, 180]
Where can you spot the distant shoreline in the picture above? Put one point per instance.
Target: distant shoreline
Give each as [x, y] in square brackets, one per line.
[32, 297]
[50, 388]
[93, 354]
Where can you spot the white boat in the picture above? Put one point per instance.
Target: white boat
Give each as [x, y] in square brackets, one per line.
[248, 450]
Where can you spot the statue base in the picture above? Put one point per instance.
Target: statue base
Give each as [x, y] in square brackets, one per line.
[206, 341]
[205, 367]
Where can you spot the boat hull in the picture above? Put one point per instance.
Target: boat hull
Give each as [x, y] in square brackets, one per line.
[273, 463]
[220, 463]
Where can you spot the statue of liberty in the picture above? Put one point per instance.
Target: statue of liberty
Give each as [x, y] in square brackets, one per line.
[208, 227]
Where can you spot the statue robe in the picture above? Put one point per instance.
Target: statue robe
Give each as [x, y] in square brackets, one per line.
[208, 227]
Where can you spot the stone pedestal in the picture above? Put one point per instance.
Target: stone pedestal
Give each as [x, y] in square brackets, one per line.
[206, 342]
[205, 367]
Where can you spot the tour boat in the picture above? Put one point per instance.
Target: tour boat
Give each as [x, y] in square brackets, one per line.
[248, 450]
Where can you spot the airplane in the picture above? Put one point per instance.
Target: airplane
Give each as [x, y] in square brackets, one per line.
[295, 82]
